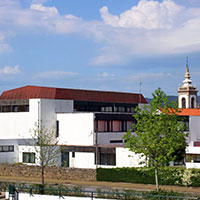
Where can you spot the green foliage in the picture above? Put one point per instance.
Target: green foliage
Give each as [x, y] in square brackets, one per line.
[195, 178]
[158, 132]
[167, 176]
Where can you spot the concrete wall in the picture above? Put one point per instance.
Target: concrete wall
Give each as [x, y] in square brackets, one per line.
[103, 138]
[194, 128]
[126, 158]
[82, 160]
[76, 128]
[9, 157]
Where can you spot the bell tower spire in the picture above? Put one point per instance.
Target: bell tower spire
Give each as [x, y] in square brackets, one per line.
[187, 93]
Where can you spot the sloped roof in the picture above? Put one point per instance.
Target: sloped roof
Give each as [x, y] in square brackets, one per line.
[31, 92]
[189, 112]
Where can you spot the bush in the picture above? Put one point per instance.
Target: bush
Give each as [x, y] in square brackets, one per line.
[167, 176]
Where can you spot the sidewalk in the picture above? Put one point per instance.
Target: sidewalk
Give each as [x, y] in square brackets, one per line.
[102, 184]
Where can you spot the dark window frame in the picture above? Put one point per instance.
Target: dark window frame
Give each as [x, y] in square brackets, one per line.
[29, 154]
[57, 128]
[6, 148]
[183, 101]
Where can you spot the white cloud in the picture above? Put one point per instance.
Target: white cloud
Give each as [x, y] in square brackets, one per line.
[105, 75]
[54, 74]
[147, 76]
[10, 70]
[147, 14]
[48, 10]
[149, 28]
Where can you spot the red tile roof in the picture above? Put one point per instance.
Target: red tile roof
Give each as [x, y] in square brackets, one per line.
[189, 112]
[31, 92]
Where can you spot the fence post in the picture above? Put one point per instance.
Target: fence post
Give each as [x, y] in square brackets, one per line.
[91, 195]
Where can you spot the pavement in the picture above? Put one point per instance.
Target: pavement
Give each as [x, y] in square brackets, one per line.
[93, 185]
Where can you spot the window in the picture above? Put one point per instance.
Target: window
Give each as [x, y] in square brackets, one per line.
[193, 158]
[57, 128]
[28, 157]
[14, 108]
[192, 102]
[107, 159]
[108, 109]
[183, 103]
[7, 148]
[116, 125]
[116, 141]
[73, 154]
[123, 127]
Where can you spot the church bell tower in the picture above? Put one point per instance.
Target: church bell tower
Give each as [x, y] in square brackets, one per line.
[187, 93]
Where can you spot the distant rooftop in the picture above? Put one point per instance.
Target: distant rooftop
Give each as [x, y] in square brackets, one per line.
[32, 92]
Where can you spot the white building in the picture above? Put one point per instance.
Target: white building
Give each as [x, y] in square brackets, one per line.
[187, 101]
[89, 125]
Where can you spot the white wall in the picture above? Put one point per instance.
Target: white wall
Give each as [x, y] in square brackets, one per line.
[15, 125]
[194, 128]
[192, 150]
[28, 149]
[192, 165]
[126, 158]
[82, 160]
[76, 128]
[32, 149]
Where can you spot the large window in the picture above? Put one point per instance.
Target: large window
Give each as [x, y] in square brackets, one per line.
[7, 148]
[112, 126]
[28, 157]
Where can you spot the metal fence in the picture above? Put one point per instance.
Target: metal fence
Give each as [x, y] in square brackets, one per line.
[62, 192]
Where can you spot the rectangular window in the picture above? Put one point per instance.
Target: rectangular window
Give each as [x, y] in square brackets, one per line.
[14, 108]
[116, 141]
[57, 128]
[123, 126]
[193, 158]
[106, 159]
[28, 157]
[73, 154]
[116, 126]
[102, 126]
[7, 148]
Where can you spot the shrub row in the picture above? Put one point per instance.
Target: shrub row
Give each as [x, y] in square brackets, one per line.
[167, 176]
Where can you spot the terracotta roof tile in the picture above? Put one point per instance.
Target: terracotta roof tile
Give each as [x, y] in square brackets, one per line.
[30, 92]
[189, 112]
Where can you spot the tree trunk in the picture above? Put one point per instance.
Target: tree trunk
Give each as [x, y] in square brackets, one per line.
[156, 178]
[42, 185]
[42, 175]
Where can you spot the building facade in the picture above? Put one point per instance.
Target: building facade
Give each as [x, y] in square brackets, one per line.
[88, 125]
[187, 101]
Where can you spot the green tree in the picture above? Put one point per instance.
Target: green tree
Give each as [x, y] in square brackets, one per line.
[45, 146]
[158, 132]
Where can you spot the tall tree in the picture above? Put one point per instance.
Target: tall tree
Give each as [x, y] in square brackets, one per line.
[157, 133]
[46, 147]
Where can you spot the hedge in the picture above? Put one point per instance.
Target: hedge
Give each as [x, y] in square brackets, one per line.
[167, 176]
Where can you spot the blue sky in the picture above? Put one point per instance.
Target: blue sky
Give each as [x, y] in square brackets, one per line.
[99, 44]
